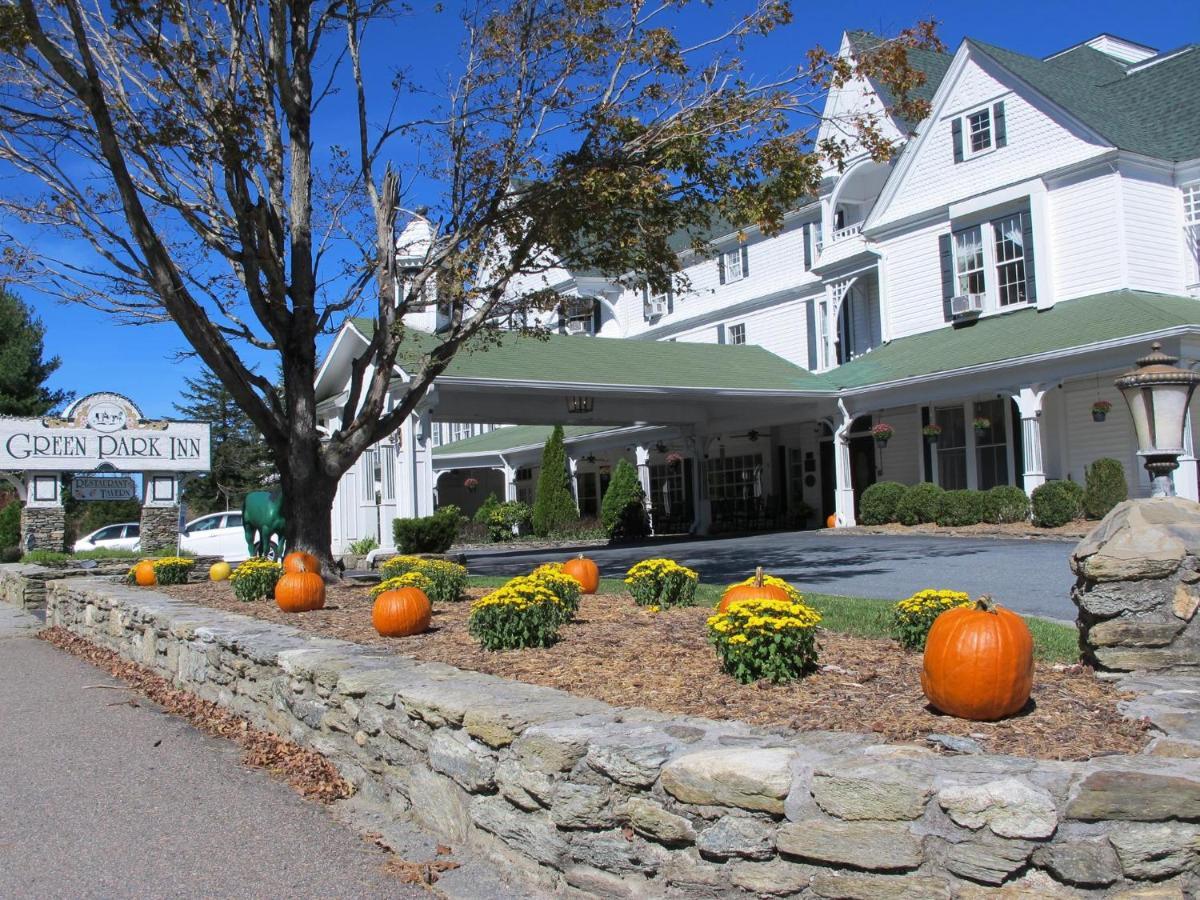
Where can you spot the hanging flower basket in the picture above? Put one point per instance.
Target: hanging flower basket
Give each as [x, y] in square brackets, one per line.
[674, 459]
[1100, 410]
[981, 424]
[932, 433]
[882, 433]
[471, 484]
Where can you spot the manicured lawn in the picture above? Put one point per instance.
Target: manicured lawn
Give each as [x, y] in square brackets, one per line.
[1052, 642]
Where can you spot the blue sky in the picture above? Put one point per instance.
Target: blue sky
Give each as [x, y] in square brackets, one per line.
[142, 362]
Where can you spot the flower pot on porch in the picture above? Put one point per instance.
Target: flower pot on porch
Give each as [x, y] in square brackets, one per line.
[1098, 416]
[881, 441]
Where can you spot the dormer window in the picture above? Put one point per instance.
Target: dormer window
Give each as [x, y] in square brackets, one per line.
[978, 131]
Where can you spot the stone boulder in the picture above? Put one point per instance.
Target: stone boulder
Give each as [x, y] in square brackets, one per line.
[1138, 587]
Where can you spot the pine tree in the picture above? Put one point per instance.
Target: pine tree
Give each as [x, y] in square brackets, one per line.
[623, 509]
[23, 370]
[554, 505]
[240, 461]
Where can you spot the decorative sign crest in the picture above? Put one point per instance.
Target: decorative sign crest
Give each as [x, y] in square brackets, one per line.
[103, 430]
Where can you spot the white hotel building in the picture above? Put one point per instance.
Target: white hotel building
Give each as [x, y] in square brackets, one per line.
[1035, 235]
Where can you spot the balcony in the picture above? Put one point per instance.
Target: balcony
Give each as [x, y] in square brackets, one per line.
[843, 244]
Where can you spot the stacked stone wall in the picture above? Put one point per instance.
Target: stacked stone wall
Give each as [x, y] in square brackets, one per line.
[43, 528]
[589, 798]
[160, 528]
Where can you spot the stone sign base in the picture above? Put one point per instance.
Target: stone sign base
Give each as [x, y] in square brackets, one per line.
[47, 525]
[160, 528]
[1138, 587]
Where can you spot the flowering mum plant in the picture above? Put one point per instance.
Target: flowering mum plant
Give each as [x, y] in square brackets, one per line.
[883, 432]
[761, 638]
[794, 595]
[522, 613]
[566, 588]
[408, 579]
[255, 579]
[447, 580]
[173, 569]
[662, 582]
[913, 617]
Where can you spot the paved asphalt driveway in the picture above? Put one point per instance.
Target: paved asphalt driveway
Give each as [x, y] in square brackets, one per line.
[1029, 576]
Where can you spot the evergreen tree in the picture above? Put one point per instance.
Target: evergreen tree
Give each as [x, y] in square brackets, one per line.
[623, 509]
[240, 460]
[23, 370]
[554, 505]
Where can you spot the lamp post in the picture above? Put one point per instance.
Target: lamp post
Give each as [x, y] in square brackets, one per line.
[1158, 393]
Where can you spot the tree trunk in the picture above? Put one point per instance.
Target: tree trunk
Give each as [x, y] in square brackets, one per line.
[308, 510]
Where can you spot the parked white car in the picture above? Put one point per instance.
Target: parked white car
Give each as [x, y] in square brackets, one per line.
[217, 534]
[122, 536]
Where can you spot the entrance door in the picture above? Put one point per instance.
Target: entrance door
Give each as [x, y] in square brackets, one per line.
[828, 481]
[862, 466]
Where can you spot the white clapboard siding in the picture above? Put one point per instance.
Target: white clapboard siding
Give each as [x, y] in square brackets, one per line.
[914, 281]
[1085, 235]
[1088, 441]
[1154, 244]
[900, 460]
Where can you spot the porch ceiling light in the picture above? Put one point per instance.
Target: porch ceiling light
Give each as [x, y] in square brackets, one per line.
[580, 404]
[1158, 393]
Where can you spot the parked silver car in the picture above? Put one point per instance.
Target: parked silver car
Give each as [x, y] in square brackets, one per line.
[122, 536]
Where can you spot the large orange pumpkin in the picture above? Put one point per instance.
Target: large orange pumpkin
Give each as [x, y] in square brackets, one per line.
[584, 571]
[300, 591]
[978, 662]
[299, 561]
[831, 520]
[143, 573]
[401, 612]
[755, 590]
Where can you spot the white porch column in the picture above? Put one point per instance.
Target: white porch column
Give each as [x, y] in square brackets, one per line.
[423, 462]
[642, 455]
[1029, 404]
[510, 480]
[843, 495]
[701, 509]
[1185, 476]
[573, 477]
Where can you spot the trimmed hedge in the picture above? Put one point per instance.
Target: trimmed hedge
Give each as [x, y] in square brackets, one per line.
[428, 534]
[958, 508]
[1056, 503]
[879, 502]
[1104, 487]
[1005, 503]
[919, 504]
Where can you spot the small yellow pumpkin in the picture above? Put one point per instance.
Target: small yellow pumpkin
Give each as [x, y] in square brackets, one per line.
[219, 571]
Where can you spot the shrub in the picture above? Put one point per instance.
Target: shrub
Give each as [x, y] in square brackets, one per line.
[173, 569]
[10, 555]
[772, 639]
[623, 509]
[428, 534]
[506, 516]
[444, 581]
[919, 504]
[879, 502]
[1056, 503]
[10, 525]
[566, 588]
[1104, 487]
[255, 579]
[958, 508]
[553, 505]
[1005, 503]
[913, 617]
[485, 509]
[363, 546]
[662, 583]
[522, 613]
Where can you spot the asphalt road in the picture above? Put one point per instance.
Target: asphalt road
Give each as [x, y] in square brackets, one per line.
[1029, 576]
[102, 799]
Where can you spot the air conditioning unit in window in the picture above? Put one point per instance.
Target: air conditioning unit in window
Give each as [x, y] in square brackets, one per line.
[656, 307]
[579, 326]
[966, 306]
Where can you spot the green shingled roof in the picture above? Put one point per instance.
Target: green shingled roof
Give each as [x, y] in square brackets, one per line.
[1152, 110]
[512, 436]
[615, 361]
[1067, 325]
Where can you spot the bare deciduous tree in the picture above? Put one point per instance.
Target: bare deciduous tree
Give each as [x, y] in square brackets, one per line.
[177, 139]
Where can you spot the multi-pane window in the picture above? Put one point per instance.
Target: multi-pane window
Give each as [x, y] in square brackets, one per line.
[951, 447]
[979, 130]
[737, 334]
[735, 477]
[460, 431]
[1010, 259]
[1191, 220]
[968, 261]
[732, 261]
[991, 444]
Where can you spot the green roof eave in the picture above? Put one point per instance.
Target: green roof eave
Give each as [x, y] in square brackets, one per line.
[993, 341]
[518, 437]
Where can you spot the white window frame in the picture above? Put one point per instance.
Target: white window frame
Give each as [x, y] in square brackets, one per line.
[459, 431]
[990, 263]
[964, 269]
[1191, 225]
[969, 132]
[732, 260]
[1016, 263]
[737, 333]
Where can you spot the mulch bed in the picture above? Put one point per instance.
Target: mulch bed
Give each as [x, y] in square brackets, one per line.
[1072, 531]
[620, 653]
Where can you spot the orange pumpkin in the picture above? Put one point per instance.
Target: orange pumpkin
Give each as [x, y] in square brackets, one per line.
[831, 520]
[401, 612]
[300, 591]
[978, 662]
[756, 590]
[299, 561]
[143, 573]
[584, 571]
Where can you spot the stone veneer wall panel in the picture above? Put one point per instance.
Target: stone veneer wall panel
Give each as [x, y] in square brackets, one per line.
[594, 799]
